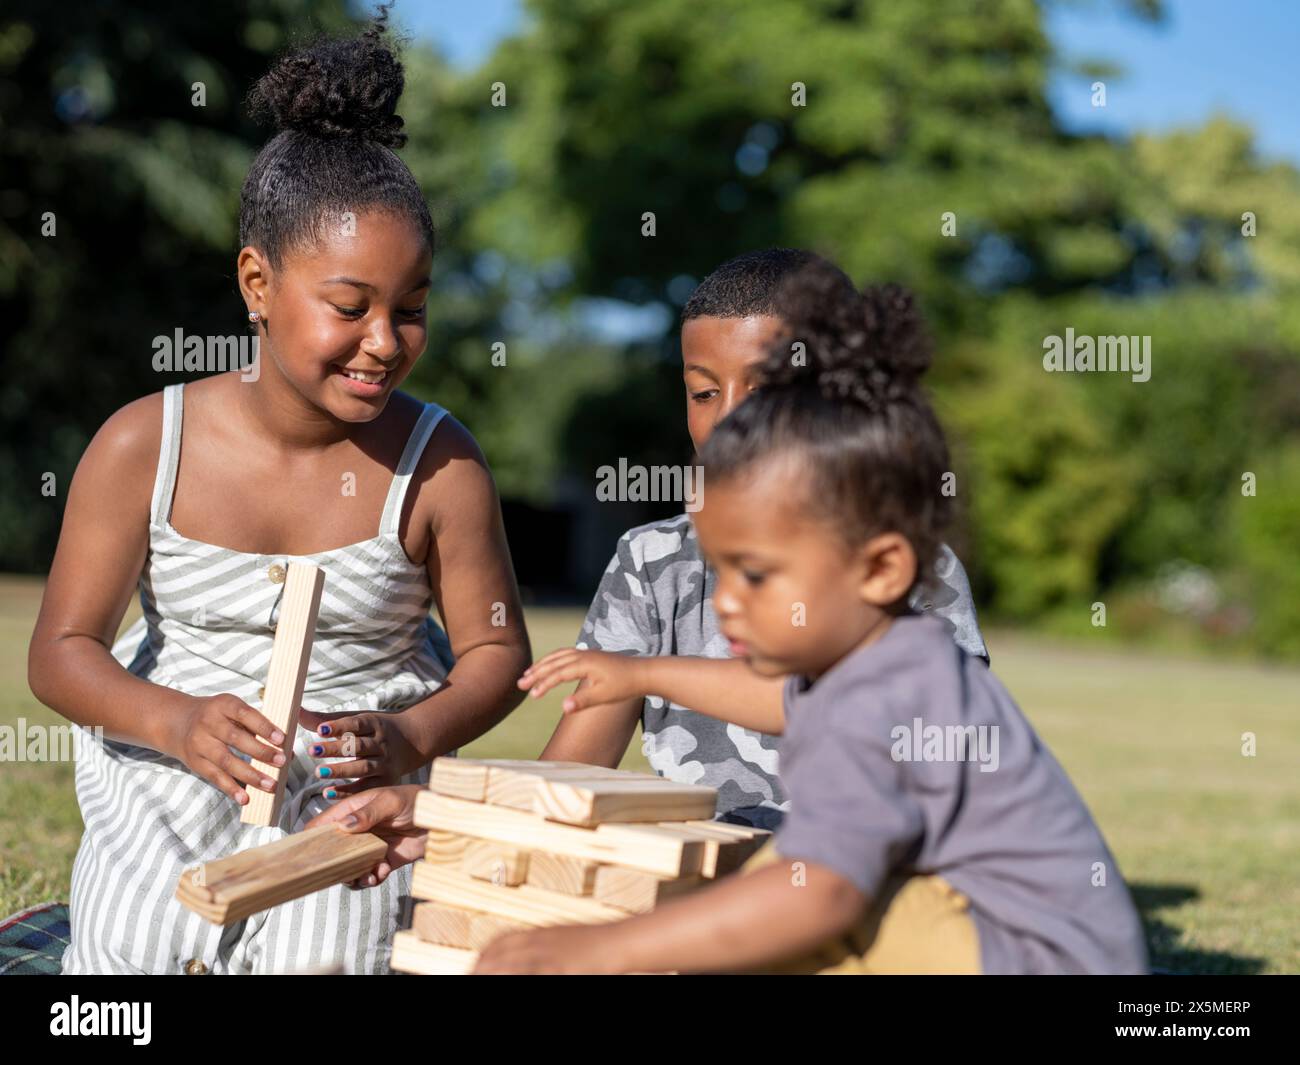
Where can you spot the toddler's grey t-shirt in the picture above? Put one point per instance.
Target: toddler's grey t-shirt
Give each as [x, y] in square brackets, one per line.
[909, 756]
[655, 598]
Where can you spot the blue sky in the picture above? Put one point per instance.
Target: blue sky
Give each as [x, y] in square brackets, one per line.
[1207, 56]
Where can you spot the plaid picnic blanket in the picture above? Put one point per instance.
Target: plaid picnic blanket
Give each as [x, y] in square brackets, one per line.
[32, 941]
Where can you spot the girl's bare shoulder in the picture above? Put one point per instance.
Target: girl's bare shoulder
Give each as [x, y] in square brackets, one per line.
[450, 439]
[133, 431]
[122, 457]
[452, 474]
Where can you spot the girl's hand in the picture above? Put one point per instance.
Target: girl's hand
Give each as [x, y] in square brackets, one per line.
[380, 751]
[606, 677]
[204, 731]
[563, 950]
[388, 813]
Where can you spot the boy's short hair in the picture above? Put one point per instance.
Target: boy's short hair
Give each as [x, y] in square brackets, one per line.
[748, 284]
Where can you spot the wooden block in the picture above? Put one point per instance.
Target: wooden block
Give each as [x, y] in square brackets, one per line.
[559, 872]
[487, 860]
[230, 889]
[518, 786]
[649, 847]
[724, 851]
[447, 925]
[638, 892]
[446, 848]
[527, 905]
[729, 829]
[467, 778]
[452, 926]
[486, 927]
[572, 792]
[495, 862]
[595, 802]
[411, 954]
[285, 678]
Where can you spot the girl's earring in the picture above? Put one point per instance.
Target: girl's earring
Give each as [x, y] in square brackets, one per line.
[254, 317]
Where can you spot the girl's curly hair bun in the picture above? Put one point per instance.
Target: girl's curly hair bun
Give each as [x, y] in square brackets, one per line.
[870, 349]
[337, 88]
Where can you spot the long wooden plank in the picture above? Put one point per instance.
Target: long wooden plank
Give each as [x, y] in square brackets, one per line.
[728, 828]
[285, 679]
[638, 892]
[649, 847]
[232, 888]
[222, 913]
[299, 866]
[527, 905]
[411, 954]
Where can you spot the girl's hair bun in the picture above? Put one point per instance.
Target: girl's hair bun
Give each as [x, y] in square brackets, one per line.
[869, 348]
[337, 88]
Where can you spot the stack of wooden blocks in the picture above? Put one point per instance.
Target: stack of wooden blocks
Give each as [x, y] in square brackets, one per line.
[516, 845]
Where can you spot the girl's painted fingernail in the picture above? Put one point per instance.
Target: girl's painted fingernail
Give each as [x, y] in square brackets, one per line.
[318, 749]
[323, 771]
[350, 820]
[324, 730]
[277, 736]
[268, 784]
[279, 759]
[331, 794]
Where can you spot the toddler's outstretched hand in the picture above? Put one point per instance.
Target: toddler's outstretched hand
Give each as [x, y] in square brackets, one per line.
[606, 677]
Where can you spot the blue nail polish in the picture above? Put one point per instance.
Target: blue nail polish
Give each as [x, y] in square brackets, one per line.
[318, 749]
[324, 730]
[324, 771]
[331, 794]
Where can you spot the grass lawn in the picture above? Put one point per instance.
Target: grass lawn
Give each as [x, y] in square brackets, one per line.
[1208, 838]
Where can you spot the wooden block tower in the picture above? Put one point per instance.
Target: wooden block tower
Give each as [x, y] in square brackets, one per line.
[517, 844]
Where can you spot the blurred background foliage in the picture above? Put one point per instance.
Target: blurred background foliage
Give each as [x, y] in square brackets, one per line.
[1076, 488]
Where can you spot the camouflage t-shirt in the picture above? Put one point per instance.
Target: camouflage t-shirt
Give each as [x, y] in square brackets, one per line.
[656, 599]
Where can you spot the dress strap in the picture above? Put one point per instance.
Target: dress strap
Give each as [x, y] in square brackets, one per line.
[169, 455]
[429, 419]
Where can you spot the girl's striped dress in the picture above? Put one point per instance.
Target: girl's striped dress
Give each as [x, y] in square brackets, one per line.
[208, 625]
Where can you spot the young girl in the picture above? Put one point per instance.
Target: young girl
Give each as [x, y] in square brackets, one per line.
[205, 492]
[930, 830]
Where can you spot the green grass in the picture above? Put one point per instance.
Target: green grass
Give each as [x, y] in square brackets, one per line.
[1207, 838]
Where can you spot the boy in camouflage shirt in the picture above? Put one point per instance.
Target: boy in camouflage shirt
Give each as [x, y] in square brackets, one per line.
[655, 597]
